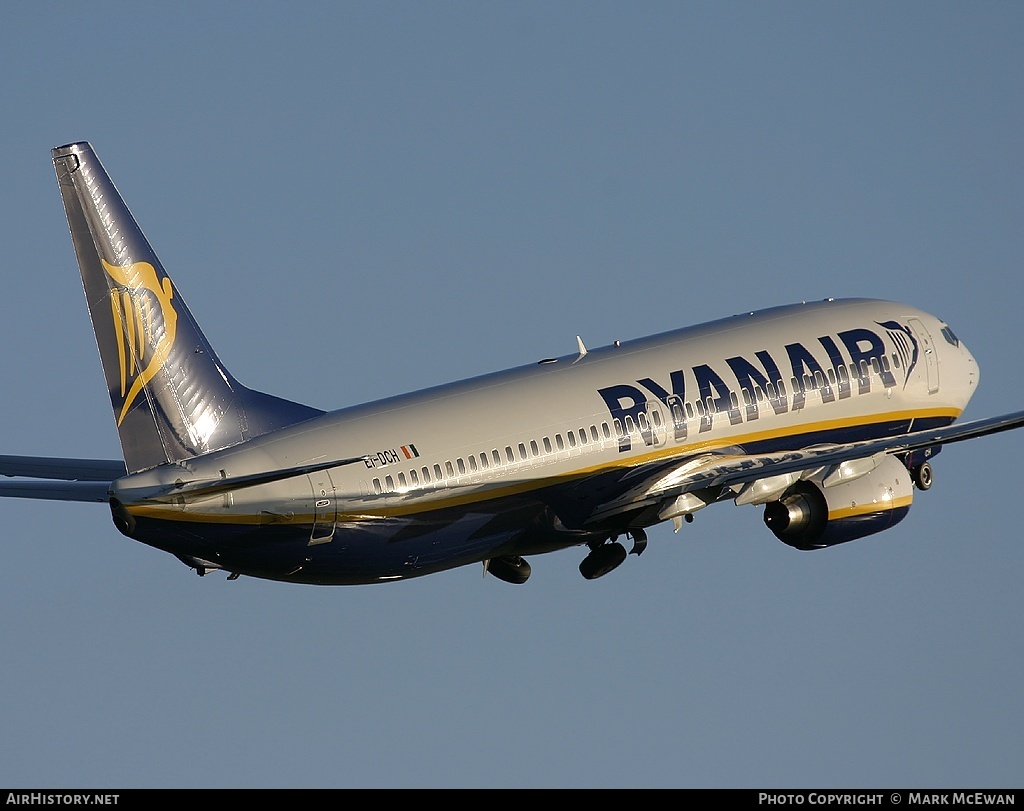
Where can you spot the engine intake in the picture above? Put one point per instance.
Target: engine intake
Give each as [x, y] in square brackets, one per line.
[811, 516]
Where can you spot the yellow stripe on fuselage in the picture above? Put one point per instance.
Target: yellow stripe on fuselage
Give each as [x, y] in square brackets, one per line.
[487, 491]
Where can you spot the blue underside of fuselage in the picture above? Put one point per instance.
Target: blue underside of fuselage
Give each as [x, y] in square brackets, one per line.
[367, 551]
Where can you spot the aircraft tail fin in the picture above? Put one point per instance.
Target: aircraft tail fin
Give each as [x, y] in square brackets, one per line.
[172, 397]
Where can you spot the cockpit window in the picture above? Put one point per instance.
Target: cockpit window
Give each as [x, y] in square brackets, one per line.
[951, 339]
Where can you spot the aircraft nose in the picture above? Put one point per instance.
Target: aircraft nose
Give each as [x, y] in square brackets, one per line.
[973, 372]
[969, 372]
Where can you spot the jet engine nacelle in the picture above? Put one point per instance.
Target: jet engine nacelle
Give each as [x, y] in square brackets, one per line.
[810, 515]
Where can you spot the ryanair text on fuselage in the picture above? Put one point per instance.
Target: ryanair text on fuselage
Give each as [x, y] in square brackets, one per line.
[762, 384]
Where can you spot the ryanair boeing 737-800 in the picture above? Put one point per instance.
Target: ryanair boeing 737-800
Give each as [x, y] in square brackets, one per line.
[827, 414]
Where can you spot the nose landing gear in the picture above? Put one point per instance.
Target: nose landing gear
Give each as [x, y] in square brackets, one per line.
[922, 476]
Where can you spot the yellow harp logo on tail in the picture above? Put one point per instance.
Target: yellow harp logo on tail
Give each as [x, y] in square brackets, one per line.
[145, 323]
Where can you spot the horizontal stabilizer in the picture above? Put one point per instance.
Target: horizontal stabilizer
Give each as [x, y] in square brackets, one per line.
[58, 479]
[52, 467]
[92, 491]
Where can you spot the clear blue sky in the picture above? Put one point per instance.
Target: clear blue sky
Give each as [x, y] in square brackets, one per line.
[358, 199]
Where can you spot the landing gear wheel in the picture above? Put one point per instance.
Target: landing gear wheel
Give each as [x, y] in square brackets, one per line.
[511, 569]
[922, 476]
[602, 560]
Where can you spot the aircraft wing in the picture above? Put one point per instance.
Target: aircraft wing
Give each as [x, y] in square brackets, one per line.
[58, 479]
[759, 477]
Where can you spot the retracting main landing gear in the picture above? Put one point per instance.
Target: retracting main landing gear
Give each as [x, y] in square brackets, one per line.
[606, 556]
[510, 568]
[639, 541]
